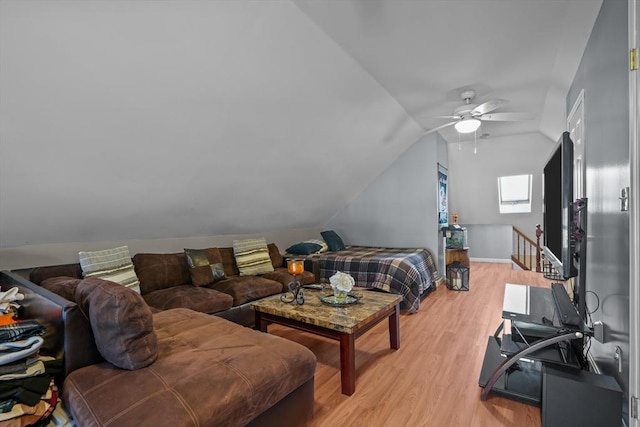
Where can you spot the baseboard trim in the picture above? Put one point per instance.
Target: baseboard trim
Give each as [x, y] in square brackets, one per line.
[493, 260]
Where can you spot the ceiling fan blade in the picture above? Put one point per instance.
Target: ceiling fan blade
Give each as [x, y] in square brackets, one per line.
[440, 127]
[449, 117]
[487, 107]
[507, 117]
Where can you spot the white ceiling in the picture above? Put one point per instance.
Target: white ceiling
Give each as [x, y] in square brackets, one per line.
[154, 119]
[424, 53]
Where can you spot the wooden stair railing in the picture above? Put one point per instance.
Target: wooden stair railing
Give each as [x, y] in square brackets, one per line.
[527, 253]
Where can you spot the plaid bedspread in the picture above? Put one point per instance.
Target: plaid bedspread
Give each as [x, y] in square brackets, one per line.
[405, 271]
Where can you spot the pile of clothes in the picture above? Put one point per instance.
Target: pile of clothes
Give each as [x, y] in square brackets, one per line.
[28, 394]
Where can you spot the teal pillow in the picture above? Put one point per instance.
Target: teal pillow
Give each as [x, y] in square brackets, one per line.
[334, 241]
[304, 248]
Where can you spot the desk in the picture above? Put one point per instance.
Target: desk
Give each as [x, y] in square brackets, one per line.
[512, 365]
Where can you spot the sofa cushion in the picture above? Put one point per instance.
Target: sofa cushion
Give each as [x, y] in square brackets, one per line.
[252, 256]
[111, 264]
[209, 372]
[38, 274]
[205, 266]
[229, 262]
[276, 257]
[121, 322]
[62, 285]
[204, 300]
[247, 288]
[161, 271]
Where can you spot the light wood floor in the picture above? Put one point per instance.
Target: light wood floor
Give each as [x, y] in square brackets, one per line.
[432, 380]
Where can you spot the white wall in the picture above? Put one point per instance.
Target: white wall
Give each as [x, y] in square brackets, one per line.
[66, 253]
[145, 120]
[490, 242]
[474, 184]
[399, 208]
[603, 75]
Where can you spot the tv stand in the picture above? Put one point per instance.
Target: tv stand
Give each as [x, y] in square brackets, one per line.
[509, 362]
[513, 362]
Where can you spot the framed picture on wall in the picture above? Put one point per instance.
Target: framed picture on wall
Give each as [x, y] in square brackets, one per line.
[443, 195]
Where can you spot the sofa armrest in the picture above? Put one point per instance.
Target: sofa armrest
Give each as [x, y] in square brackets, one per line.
[69, 335]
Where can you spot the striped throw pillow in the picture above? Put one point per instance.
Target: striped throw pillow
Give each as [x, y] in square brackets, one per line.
[111, 264]
[252, 256]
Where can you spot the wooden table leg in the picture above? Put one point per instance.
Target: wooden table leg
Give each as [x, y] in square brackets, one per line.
[261, 324]
[348, 363]
[394, 328]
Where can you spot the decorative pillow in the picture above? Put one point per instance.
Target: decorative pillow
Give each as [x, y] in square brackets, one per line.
[121, 322]
[252, 256]
[111, 264]
[323, 245]
[334, 241]
[202, 270]
[304, 248]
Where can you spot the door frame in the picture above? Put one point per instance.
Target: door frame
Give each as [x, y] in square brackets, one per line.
[634, 219]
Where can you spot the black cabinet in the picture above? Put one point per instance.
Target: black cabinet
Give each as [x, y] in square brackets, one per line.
[580, 399]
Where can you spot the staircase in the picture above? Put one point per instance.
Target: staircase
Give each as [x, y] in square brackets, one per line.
[527, 253]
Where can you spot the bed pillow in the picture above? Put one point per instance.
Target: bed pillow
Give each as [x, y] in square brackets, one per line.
[334, 241]
[323, 245]
[121, 322]
[252, 256]
[304, 248]
[110, 264]
[204, 268]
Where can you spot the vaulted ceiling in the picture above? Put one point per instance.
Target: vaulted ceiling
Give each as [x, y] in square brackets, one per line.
[426, 53]
[150, 119]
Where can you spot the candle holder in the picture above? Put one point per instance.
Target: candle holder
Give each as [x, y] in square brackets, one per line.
[296, 293]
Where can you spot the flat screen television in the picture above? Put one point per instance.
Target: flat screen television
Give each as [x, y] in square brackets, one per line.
[564, 228]
[559, 243]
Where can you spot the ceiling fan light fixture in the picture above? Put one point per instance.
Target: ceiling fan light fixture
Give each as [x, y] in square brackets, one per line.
[467, 125]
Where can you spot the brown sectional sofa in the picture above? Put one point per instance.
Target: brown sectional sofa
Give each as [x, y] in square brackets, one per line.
[189, 368]
[165, 283]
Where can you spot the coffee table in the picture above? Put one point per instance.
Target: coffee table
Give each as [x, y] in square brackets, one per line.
[344, 323]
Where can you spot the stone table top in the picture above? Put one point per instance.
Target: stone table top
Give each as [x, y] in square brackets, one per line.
[349, 318]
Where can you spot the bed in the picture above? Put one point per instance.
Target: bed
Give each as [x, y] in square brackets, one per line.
[410, 272]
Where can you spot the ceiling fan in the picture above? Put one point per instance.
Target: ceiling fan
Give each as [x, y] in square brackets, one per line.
[467, 117]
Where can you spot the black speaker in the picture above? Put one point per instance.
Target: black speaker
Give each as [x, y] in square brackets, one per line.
[579, 398]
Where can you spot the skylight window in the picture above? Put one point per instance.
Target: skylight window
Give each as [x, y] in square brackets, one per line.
[514, 194]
